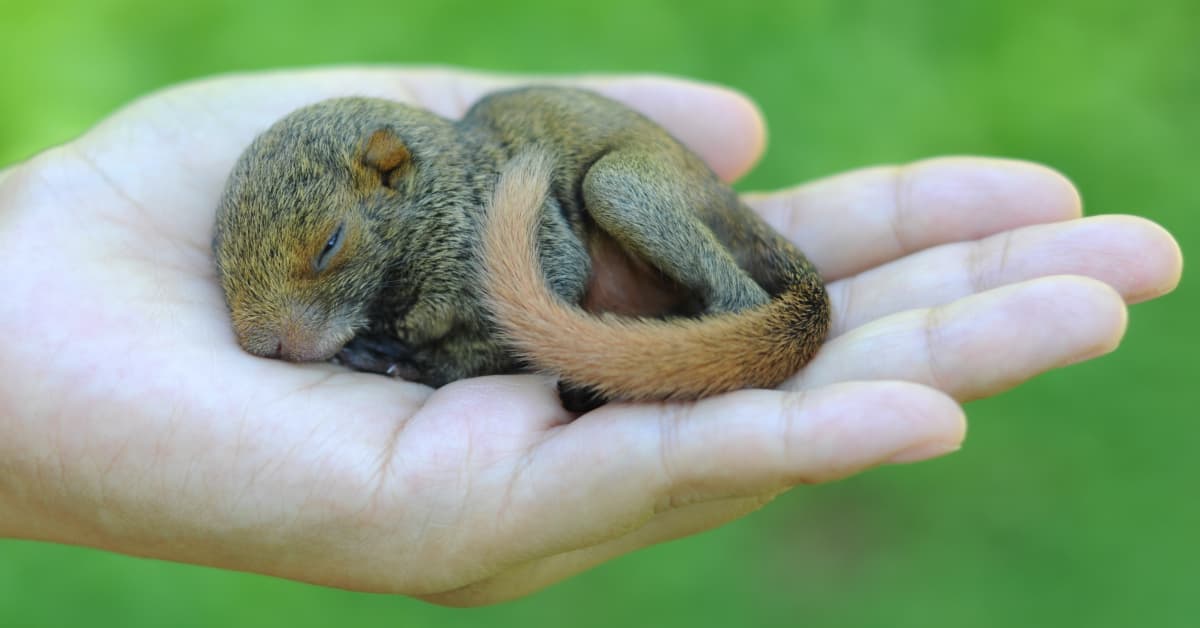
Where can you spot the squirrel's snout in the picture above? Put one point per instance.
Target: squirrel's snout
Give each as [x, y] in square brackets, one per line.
[295, 338]
[291, 345]
[300, 346]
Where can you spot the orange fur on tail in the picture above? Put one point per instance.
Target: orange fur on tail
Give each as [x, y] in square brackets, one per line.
[633, 358]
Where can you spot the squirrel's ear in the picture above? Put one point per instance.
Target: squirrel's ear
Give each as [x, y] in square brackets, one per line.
[384, 152]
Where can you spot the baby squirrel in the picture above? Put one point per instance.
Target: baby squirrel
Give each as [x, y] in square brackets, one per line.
[550, 229]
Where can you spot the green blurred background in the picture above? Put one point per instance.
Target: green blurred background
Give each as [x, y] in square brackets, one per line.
[1074, 502]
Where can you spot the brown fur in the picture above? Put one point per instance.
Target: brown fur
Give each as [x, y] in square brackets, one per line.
[628, 358]
[358, 229]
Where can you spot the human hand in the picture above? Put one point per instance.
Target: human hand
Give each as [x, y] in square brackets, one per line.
[131, 421]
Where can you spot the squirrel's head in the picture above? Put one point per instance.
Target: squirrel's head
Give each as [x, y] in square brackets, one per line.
[304, 224]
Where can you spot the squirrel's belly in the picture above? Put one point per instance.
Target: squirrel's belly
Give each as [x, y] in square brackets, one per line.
[623, 284]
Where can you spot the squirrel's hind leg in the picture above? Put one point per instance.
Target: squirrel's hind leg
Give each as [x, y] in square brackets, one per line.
[650, 208]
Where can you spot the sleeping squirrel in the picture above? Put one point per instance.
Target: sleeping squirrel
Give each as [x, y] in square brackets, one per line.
[549, 230]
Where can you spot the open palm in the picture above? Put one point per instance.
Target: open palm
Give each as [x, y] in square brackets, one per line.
[130, 419]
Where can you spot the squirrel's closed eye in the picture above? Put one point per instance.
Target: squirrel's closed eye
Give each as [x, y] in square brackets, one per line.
[332, 246]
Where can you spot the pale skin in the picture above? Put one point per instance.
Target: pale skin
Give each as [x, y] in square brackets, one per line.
[131, 421]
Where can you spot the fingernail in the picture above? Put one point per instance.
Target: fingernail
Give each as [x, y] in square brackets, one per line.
[923, 451]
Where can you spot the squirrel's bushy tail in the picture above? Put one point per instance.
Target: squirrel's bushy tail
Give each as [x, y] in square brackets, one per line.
[631, 358]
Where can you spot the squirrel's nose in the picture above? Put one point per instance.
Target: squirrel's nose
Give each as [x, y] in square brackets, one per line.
[299, 341]
[293, 339]
[292, 352]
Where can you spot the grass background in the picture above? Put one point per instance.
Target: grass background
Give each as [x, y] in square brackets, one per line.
[1074, 502]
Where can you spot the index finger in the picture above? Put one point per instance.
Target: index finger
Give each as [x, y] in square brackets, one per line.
[216, 118]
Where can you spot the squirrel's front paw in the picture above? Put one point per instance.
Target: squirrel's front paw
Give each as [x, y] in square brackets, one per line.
[385, 356]
[403, 370]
